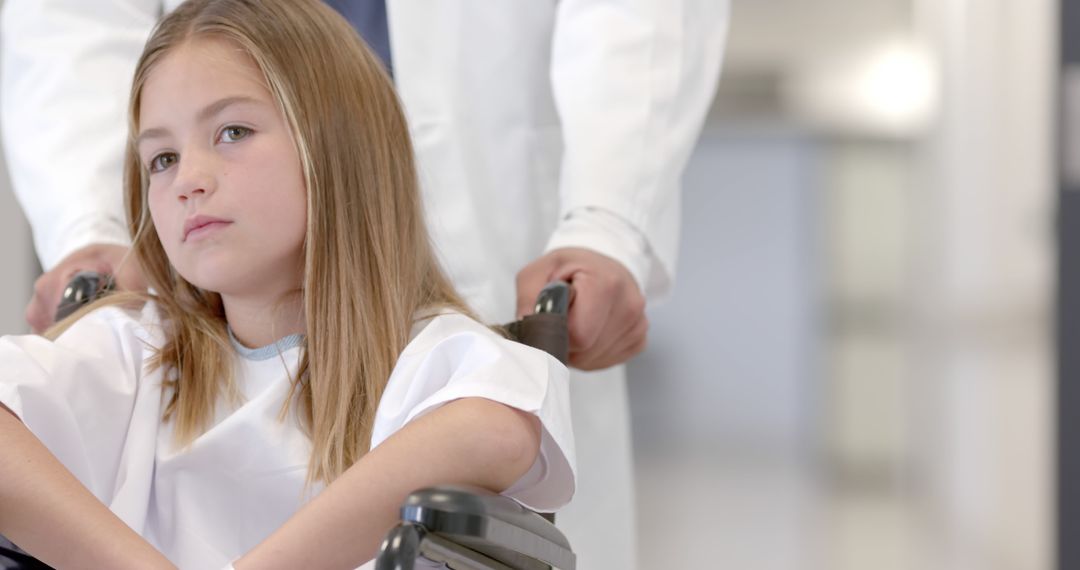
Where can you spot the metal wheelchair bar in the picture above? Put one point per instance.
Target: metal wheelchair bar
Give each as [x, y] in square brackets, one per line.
[437, 549]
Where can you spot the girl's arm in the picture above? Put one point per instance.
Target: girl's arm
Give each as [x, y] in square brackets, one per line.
[471, 441]
[47, 512]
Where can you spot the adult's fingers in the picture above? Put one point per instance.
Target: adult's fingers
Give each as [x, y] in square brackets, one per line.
[38, 314]
[49, 288]
[607, 305]
[590, 310]
[624, 347]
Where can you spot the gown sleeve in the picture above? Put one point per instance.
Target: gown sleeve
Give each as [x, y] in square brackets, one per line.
[82, 396]
[455, 357]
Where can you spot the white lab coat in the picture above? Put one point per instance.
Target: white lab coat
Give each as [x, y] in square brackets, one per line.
[91, 399]
[537, 123]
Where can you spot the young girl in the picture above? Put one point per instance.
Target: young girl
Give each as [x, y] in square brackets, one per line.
[302, 363]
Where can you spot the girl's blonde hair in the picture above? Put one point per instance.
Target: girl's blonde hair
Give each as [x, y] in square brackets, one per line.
[369, 266]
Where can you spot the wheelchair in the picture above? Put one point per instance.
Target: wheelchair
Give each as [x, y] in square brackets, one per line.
[454, 527]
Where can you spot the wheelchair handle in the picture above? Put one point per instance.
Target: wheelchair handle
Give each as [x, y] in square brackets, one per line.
[84, 287]
[555, 298]
[546, 328]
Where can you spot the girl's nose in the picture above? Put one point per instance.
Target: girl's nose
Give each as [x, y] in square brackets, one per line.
[185, 195]
[195, 176]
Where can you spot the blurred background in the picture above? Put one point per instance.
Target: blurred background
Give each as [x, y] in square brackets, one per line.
[857, 368]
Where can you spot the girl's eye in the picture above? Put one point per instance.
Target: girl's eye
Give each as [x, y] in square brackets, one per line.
[162, 161]
[234, 133]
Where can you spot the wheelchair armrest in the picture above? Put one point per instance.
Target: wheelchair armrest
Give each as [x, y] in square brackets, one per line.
[493, 525]
[473, 528]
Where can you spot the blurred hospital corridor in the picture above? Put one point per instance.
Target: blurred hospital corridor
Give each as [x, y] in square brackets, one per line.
[859, 365]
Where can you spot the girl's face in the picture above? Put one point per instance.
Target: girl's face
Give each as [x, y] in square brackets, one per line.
[226, 189]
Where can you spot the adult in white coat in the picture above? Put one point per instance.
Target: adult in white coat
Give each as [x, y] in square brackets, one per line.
[551, 138]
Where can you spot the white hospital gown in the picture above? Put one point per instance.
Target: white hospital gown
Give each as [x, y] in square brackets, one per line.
[89, 398]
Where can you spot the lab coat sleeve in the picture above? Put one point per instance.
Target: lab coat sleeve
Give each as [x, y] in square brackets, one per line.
[632, 82]
[78, 394]
[454, 358]
[67, 67]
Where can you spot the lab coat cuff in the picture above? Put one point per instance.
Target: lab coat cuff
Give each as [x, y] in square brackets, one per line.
[606, 233]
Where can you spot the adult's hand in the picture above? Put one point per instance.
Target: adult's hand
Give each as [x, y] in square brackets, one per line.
[607, 322]
[102, 258]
